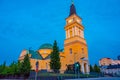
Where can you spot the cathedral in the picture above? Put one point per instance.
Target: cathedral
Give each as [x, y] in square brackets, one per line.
[75, 47]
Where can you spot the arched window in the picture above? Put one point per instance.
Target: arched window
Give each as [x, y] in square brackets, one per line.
[70, 50]
[82, 50]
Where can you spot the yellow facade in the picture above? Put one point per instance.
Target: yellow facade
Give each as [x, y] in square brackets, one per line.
[75, 47]
[45, 52]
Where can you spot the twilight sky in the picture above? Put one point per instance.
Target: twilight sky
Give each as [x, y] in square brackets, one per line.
[30, 23]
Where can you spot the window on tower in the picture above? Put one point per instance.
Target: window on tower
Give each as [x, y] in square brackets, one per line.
[82, 50]
[71, 33]
[70, 50]
[71, 20]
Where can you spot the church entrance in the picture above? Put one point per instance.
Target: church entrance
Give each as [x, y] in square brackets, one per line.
[85, 66]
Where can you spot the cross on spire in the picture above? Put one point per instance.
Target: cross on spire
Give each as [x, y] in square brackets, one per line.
[72, 1]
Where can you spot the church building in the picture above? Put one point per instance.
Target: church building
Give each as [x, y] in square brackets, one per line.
[75, 47]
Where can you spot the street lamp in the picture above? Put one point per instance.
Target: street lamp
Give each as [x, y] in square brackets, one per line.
[37, 65]
[75, 62]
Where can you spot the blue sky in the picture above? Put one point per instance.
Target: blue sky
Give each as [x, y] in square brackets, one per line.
[30, 23]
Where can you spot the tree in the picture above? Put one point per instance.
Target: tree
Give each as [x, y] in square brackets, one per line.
[19, 65]
[91, 68]
[13, 68]
[0, 69]
[25, 66]
[55, 64]
[3, 69]
[96, 69]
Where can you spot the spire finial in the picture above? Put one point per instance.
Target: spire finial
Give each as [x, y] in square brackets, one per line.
[72, 1]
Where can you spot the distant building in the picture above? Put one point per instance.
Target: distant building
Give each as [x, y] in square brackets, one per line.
[75, 47]
[110, 66]
[108, 61]
[111, 69]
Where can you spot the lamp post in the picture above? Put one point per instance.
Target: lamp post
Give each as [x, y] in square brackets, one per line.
[77, 66]
[37, 65]
[75, 63]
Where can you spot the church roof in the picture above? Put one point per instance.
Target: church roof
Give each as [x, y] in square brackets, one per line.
[72, 9]
[35, 55]
[46, 46]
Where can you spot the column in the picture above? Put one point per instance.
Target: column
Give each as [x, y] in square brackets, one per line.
[82, 34]
[87, 68]
[83, 68]
[77, 31]
[66, 34]
[73, 32]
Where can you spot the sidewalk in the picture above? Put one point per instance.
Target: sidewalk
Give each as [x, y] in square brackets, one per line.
[101, 78]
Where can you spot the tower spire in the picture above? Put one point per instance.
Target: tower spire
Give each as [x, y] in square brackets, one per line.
[72, 8]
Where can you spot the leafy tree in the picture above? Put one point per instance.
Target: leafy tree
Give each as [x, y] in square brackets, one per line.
[96, 69]
[25, 66]
[55, 64]
[2, 68]
[13, 68]
[91, 68]
[19, 67]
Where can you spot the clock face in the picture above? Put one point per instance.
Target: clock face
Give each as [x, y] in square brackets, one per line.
[78, 20]
[69, 21]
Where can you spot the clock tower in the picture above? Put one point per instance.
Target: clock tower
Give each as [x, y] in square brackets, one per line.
[75, 46]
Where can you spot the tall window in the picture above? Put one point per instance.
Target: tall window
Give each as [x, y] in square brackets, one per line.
[82, 50]
[70, 50]
[71, 33]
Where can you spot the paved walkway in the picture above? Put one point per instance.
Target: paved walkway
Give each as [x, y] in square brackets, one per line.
[102, 78]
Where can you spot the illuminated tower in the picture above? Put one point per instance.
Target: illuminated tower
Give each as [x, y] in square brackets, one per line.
[75, 46]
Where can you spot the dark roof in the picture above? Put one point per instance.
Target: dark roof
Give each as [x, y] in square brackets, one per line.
[46, 46]
[35, 55]
[105, 58]
[113, 66]
[61, 50]
[72, 9]
[48, 57]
